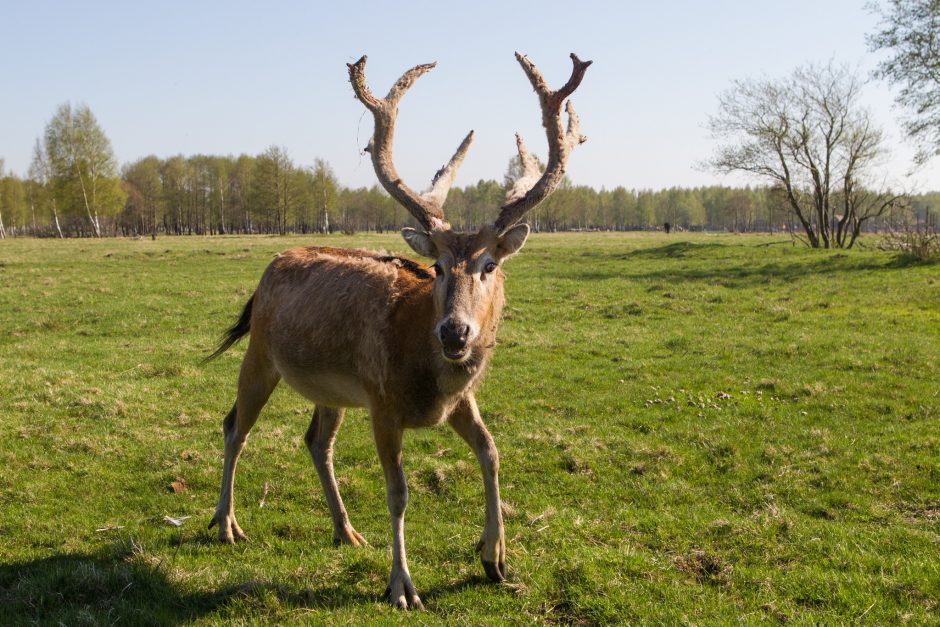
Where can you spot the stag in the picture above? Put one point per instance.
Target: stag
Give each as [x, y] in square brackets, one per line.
[408, 341]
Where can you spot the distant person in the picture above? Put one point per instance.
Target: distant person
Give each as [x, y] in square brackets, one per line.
[667, 227]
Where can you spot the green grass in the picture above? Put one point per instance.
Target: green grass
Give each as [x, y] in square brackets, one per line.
[693, 429]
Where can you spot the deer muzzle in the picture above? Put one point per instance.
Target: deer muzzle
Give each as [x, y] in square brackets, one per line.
[455, 338]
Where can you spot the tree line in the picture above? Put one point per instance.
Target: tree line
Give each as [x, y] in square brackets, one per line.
[74, 188]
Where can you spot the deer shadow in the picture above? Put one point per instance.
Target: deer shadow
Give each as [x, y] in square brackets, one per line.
[115, 585]
[101, 588]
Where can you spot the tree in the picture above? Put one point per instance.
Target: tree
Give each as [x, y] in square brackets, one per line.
[739, 207]
[645, 208]
[145, 193]
[13, 203]
[3, 232]
[175, 174]
[477, 204]
[220, 176]
[242, 193]
[324, 191]
[41, 174]
[624, 209]
[807, 134]
[82, 164]
[909, 32]
[272, 186]
[690, 210]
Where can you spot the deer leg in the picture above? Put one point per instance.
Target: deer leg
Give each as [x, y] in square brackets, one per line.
[319, 440]
[401, 591]
[256, 381]
[465, 419]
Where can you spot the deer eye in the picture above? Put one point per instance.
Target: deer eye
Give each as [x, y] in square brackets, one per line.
[489, 267]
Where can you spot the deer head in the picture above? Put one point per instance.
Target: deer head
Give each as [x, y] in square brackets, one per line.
[467, 289]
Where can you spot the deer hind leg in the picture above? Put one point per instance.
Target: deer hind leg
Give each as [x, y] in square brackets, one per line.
[319, 440]
[465, 419]
[256, 381]
[388, 434]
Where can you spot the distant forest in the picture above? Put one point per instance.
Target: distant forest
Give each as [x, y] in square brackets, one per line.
[269, 193]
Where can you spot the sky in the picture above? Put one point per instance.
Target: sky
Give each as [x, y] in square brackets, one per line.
[237, 77]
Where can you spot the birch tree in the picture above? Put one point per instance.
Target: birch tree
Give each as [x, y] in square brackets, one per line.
[82, 165]
[324, 190]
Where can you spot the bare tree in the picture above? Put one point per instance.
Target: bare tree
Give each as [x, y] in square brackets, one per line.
[808, 135]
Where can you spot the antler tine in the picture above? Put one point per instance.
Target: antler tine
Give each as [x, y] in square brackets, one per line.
[444, 178]
[560, 142]
[406, 81]
[573, 136]
[428, 208]
[529, 174]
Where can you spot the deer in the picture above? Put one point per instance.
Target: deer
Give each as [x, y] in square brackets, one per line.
[408, 341]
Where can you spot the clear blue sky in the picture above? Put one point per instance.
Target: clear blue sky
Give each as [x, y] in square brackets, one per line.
[232, 77]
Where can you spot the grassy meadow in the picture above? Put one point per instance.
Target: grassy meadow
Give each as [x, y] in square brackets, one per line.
[693, 429]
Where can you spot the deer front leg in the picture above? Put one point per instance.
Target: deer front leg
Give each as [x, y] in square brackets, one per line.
[388, 434]
[465, 419]
[319, 440]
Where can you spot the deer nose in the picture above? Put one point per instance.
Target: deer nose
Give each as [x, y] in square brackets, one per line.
[454, 336]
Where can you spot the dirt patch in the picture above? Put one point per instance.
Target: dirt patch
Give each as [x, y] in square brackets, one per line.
[705, 567]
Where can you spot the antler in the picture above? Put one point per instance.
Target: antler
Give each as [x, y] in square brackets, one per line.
[531, 189]
[426, 208]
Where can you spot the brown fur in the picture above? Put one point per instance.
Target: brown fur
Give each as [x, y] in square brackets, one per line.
[368, 317]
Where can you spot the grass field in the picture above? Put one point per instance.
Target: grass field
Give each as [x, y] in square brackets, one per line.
[693, 429]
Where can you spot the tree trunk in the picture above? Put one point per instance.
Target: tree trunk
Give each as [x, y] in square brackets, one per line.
[32, 210]
[856, 231]
[55, 217]
[221, 211]
[92, 219]
[807, 226]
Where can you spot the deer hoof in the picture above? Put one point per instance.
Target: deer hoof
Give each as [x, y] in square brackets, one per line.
[493, 558]
[349, 536]
[229, 531]
[401, 592]
[495, 570]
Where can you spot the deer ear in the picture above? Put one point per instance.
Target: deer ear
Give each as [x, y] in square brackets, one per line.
[512, 240]
[420, 242]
